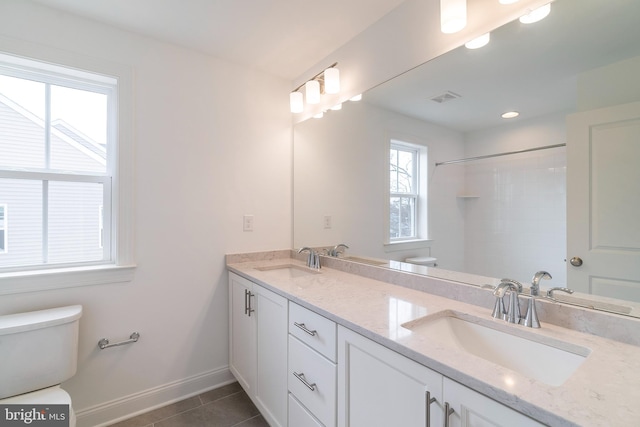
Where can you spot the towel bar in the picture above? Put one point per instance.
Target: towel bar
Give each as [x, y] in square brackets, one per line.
[104, 343]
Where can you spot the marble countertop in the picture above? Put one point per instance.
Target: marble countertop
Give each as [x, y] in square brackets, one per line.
[603, 391]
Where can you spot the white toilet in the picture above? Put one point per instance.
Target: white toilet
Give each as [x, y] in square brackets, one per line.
[425, 260]
[39, 350]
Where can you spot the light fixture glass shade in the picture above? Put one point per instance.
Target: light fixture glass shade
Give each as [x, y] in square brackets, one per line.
[331, 80]
[453, 15]
[507, 1]
[312, 91]
[478, 42]
[356, 98]
[536, 15]
[296, 103]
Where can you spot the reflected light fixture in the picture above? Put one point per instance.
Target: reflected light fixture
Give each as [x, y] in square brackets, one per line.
[507, 1]
[478, 42]
[536, 15]
[327, 81]
[510, 115]
[337, 107]
[319, 115]
[453, 15]
[356, 98]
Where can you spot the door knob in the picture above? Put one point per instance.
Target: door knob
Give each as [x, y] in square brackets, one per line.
[576, 261]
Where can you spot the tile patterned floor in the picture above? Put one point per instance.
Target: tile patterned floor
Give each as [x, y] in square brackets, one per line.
[227, 406]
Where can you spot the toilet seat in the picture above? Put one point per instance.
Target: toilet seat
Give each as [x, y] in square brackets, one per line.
[46, 396]
[427, 260]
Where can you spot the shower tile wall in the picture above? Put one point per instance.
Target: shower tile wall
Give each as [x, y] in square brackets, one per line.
[519, 214]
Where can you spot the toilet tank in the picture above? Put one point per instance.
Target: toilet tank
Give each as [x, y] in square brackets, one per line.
[38, 349]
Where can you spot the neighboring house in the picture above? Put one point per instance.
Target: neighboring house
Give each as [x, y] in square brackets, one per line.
[68, 212]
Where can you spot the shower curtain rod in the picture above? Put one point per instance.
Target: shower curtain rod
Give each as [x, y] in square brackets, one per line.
[546, 147]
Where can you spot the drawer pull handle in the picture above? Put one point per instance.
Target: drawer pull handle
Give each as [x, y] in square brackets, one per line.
[447, 412]
[304, 328]
[301, 377]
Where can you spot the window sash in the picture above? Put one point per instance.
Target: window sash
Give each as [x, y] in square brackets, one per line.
[413, 195]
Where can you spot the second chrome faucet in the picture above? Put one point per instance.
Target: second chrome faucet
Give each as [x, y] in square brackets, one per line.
[511, 313]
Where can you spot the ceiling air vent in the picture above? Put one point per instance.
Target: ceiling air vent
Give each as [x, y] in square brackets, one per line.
[445, 97]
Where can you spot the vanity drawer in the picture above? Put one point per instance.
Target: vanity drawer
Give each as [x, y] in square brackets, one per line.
[312, 380]
[299, 416]
[314, 330]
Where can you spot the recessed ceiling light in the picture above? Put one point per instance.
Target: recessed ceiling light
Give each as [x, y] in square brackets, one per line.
[536, 14]
[478, 42]
[510, 114]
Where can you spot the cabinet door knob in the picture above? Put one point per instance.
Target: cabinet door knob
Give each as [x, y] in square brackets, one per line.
[576, 261]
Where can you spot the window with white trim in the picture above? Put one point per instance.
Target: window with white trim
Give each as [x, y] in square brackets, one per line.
[57, 162]
[407, 197]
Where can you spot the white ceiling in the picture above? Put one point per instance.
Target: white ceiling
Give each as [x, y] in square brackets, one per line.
[282, 37]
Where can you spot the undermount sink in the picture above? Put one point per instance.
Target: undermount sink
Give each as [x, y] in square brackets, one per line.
[289, 270]
[537, 357]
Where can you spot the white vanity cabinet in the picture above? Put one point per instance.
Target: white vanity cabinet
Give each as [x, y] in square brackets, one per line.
[258, 346]
[379, 387]
[312, 368]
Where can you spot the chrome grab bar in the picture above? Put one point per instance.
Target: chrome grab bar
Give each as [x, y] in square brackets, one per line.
[302, 326]
[301, 377]
[104, 342]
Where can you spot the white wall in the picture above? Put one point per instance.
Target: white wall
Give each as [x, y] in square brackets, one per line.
[340, 164]
[517, 223]
[212, 142]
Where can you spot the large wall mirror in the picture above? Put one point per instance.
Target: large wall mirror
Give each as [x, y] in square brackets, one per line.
[502, 210]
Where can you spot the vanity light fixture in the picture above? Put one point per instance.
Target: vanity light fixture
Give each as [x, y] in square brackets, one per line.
[536, 15]
[356, 98]
[296, 102]
[337, 107]
[507, 1]
[478, 42]
[510, 115]
[453, 15]
[312, 91]
[327, 81]
[319, 115]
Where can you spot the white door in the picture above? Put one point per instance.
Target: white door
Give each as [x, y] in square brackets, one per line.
[603, 201]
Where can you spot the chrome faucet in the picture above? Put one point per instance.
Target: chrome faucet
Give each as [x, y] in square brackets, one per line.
[535, 282]
[552, 290]
[531, 318]
[512, 313]
[335, 252]
[313, 260]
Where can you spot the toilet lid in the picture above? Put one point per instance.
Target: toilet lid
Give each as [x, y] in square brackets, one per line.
[47, 396]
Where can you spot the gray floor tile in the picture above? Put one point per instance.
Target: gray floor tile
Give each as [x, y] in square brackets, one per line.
[258, 421]
[225, 412]
[156, 415]
[218, 393]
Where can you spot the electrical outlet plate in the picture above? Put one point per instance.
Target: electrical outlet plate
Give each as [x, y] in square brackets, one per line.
[327, 221]
[247, 223]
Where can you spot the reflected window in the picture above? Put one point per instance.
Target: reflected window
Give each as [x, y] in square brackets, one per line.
[406, 197]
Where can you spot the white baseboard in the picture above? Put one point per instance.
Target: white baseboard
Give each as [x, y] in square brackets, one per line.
[138, 403]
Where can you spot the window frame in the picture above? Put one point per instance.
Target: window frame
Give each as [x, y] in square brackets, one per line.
[421, 217]
[120, 265]
[413, 195]
[4, 227]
